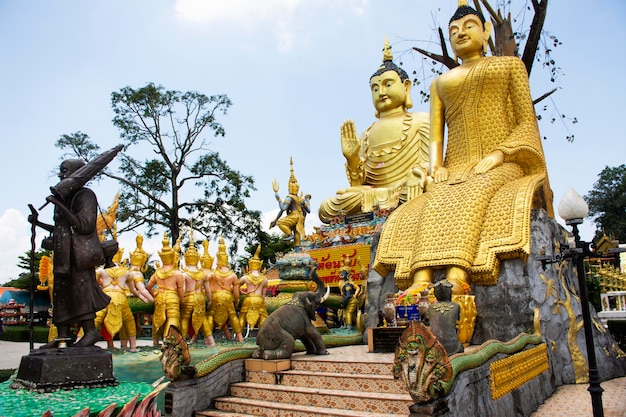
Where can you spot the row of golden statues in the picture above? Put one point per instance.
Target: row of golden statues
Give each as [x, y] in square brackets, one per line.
[186, 292]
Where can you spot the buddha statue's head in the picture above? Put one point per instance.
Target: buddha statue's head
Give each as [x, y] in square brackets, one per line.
[222, 255]
[139, 256]
[469, 31]
[255, 262]
[390, 86]
[207, 259]
[166, 253]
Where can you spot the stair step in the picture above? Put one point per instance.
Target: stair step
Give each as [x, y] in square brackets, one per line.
[321, 397]
[379, 364]
[333, 380]
[273, 409]
[220, 413]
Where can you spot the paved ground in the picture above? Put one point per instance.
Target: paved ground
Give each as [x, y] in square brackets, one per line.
[567, 401]
[11, 352]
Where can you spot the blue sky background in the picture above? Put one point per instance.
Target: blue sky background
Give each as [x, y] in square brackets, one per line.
[294, 69]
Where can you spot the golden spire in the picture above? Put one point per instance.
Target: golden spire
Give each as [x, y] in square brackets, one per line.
[166, 253]
[192, 257]
[387, 55]
[255, 262]
[462, 3]
[222, 255]
[207, 259]
[292, 177]
[139, 256]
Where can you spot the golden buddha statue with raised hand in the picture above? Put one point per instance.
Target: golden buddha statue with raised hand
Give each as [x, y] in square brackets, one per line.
[477, 211]
[388, 164]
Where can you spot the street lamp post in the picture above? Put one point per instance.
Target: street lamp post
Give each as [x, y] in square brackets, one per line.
[573, 209]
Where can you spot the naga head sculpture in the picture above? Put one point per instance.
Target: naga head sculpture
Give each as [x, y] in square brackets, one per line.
[422, 363]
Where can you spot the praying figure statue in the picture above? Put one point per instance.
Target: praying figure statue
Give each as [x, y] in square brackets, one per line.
[477, 211]
[350, 291]
[252, 284]
[170, 291]
[117, 316]
[387, 166]
[224, 286]
[197, 289]
[443, 317]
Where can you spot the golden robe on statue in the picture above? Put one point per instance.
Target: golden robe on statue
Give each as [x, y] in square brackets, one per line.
[474, 221]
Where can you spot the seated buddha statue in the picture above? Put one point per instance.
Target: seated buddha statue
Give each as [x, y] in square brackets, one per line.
[388, 164]
[477, 210]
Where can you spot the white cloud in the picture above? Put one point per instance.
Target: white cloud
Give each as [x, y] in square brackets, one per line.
[14, 241]
[285, 19]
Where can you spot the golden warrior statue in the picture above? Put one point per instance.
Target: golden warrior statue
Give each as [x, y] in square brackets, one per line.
[117, 316]
[253, 284]
[137, 282]
[170, 285]
[387, 166]
[350, 292]
[207, 266]
[296, 206]
[224, 294]
[477, 211]
[197, 289]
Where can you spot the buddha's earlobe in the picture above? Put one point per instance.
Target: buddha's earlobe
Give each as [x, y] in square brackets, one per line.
[488, 28]
[408, 103]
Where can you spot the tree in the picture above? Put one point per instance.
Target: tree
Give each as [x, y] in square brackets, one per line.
[536, 45]
[23, 280]
[157, 191]
[607, 203]
[272, 246]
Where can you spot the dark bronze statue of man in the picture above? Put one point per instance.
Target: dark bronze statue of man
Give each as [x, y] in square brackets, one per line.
[77, 252]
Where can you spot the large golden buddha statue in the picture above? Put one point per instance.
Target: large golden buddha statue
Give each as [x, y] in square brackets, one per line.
[388, 164]
[477, 211]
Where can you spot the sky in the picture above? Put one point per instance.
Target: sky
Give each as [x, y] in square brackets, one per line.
[294, 70]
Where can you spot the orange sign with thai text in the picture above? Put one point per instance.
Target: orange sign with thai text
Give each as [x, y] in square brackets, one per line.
[330, 260]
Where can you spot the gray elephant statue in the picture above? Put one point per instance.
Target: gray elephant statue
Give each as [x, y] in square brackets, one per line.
[277, 336]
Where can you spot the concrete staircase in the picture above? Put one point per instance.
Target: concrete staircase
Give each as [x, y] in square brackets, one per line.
[348, 382]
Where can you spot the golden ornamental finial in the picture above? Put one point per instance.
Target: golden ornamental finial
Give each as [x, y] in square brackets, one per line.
[207, 259]
[292, 177]
[139, 256]
[387, 55]
[222, 255]
[462, 3]
[255, 262]
[191, 254]
[166, 253]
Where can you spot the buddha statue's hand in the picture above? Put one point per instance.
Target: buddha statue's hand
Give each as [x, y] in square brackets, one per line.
[440, 174]
[354, 189]
[417, 177]
[349, 142]
[494, 159]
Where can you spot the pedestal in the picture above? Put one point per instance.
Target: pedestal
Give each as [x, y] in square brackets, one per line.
[383, 339]
[48, 370]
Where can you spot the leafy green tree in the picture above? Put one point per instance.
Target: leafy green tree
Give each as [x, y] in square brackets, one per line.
[607, 203]
[23, 279]
[272, 246]
[173, 176]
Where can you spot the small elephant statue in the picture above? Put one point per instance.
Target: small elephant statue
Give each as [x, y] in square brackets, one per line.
[277, 336]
